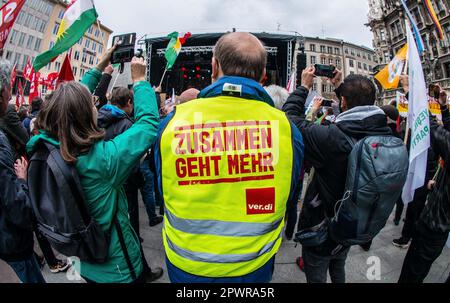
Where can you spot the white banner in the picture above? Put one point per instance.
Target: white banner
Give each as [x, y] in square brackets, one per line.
[418, 121]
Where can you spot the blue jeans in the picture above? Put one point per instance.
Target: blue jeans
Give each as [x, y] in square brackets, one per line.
[28, 270]
[262, 275]
[148, 191]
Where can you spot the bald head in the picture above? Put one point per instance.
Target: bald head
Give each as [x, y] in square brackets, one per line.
[188, 95]
[240, 54]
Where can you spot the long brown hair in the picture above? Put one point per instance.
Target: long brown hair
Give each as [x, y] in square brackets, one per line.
[68, 115]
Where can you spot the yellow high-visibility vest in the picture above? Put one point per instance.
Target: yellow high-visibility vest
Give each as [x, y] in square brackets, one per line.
[226, 178]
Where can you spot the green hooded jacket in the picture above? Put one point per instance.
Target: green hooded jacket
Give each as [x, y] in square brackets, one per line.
[103, 171]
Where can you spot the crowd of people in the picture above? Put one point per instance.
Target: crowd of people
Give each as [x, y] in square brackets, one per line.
[226, 165]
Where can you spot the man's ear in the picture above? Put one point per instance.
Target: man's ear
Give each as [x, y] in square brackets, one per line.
[263, 76]
[215, 70]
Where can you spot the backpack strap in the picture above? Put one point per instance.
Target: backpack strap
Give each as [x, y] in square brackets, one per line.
[61, 168]
[122, 242]
[350, 140]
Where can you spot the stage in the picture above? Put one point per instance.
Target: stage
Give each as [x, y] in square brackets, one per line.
[193, 66]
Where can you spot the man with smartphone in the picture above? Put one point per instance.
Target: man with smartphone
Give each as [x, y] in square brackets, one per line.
[327, 149]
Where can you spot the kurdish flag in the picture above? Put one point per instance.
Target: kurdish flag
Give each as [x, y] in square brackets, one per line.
[79, 16]
[435, 19]
[174, 48]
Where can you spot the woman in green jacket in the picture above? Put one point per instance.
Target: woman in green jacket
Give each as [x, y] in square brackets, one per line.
[68, 120]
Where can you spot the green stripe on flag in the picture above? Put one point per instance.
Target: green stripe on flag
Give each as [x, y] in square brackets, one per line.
[72, 35]
[171, 53]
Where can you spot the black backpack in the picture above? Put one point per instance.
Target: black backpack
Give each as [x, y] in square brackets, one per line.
[377, 171]
[60, 210]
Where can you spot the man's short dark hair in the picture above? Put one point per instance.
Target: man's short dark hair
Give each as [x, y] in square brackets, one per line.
[358, 91]
[241, 57]
[120, 96]
[36, 104]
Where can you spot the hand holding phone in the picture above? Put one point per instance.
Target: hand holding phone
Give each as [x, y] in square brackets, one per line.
[324, 70]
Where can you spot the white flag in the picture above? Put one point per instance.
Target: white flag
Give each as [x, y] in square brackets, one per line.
[418, 121]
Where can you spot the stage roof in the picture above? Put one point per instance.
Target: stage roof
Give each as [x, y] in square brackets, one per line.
[216, 36]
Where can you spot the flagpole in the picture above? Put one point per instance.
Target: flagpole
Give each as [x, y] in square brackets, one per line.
[105, 45]
[162, 79]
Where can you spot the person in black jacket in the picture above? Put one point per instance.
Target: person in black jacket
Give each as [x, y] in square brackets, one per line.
[101, 90]
[115, 118]
[12, 127]
[327, 149]
[433, 227]
[36, 105]
[16, 233]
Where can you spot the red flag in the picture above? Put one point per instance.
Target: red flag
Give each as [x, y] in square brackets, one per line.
[20, 97]
[8, 13]
[34, 87]
[49, 81]
[28, 71]
[185, 37]
[65, 74]
[13, 75]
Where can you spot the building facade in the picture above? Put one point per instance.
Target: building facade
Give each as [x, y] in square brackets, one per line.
[386, 20]
[348, 57]
[35, 31]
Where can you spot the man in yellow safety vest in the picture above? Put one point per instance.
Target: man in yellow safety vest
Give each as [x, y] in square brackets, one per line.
[228, 164]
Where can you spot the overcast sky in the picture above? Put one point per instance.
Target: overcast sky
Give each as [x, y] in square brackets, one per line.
[342, 19]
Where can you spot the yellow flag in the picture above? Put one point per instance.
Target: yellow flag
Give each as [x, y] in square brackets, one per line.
[389, 76]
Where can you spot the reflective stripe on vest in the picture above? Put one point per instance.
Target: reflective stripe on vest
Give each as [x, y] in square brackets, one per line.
[226, 177]
[211, 258]
[221, 228]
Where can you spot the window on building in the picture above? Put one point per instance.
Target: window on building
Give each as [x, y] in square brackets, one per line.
[387, 57]
[91, 60]
[359, 65]
[323, 61]
[314, 87]
[37, 44]
[94, 46]
[100, 49]
[30, 42]
[382, 34]
[338, 63]
[322, 48]
[17, 58]
[97, 32]
[330, 61]
[57, 66]
[365, 66]
[27, 20]
[24, 60]
[312, 47]
[80, 42]
[77, 55]
[91, 29]
[417, 16]
[346, 50]
[337, 51]
[88, 43]
[313, 60]
[330, 50]
[42, 26]
[55, 28]
[61, 14]
[20, 18]
[22, 39]
[351, 63]
[82, 72]
[324, 88]
[13, 37]
[84, 58]
[74, 70]
[49, 66]
[9, 55]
